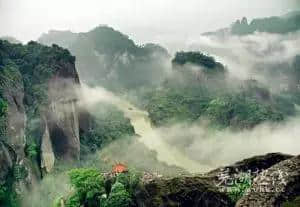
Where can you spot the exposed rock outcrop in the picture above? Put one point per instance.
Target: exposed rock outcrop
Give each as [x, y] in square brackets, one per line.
[274, 186]
[37, 83]
[47, 154]
[62, 117]
[181, 192]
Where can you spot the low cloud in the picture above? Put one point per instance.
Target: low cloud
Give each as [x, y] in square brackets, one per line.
[219, 148]
[243, 54]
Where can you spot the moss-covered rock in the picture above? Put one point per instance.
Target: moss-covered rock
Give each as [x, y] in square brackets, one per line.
[181, 191]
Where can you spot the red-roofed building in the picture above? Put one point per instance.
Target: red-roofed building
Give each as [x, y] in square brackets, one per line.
[119, 168]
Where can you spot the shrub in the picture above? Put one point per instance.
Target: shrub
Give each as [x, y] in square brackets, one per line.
[8, 198]
[32, 151]
[118, 197]
[2, 193]
[88, 185]
[240, 186]
[130, 180]
[107, 126]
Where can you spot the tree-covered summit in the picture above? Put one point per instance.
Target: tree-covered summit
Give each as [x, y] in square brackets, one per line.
[198, 59]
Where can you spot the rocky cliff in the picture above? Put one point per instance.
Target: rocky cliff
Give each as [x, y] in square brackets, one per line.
[39, 119]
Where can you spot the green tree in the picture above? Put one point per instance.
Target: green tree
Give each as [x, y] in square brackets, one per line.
[118, 197]
[88, 185]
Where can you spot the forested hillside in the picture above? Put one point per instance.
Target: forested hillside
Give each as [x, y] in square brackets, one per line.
[109, 58]
[200, 89]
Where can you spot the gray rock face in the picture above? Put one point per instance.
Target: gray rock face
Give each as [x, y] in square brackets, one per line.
[47, 154]
[59, 116]
[62, 118]
[274, 185]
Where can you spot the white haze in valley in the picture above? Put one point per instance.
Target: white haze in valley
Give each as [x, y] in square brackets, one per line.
[195, 147]
[139, 119]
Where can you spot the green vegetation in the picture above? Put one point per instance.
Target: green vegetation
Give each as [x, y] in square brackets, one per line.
[240, 112]
[8, 198]
[130, 180]
[91, 189]
[118, 196]
[236, 110]
[32, 150]
[187, 97]
[31, 66]
[240, 186]
[26, 70]
[19, 172]
[199, 59]
[108, 124]
[197, 89]
[8, 194]
[3, 113]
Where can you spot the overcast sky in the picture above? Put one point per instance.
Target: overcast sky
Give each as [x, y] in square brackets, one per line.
[142, 20]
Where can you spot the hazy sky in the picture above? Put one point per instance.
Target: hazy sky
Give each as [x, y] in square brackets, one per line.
[143, 20]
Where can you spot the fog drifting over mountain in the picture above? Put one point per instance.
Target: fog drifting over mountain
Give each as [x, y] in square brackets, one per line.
[165, 21]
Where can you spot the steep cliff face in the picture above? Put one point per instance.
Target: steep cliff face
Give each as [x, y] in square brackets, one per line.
[12, 141]
[47, 154]
[13, 92]
[39, 116]
[62, 114]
